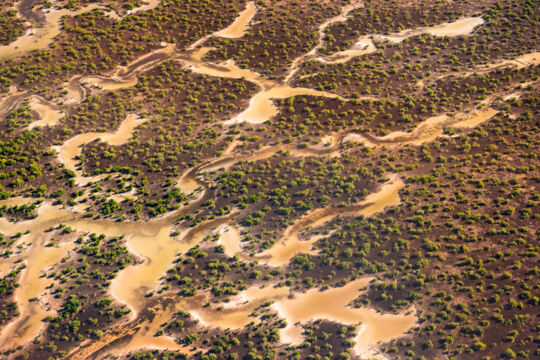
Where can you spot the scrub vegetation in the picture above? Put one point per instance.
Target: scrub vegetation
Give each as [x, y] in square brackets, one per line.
[412, 166]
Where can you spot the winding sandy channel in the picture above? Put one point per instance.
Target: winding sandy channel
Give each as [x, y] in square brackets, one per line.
[343, 16]
[69, 150]
[261, 106]
[149, 240]
[40, 37]
[49, 114]
[127, 76]
[240, 26]
[297, 308]
[43, 34]
[365, 45]
[461, 27]
[426, 131]
[152, 240]
[290, 244]
[38, 259]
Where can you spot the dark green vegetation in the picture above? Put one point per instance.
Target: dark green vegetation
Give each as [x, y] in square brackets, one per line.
[464, 245]
[93, 42]
[395, 69]
[79, 290]
[285, 30]
[393, 17]
[460, 250]
[183, 132]
[10, 26]
[8, 284]
[276, 192]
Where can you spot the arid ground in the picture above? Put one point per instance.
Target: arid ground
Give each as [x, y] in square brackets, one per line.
[269, 179]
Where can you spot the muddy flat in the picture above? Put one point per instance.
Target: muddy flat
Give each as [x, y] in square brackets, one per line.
[269, 179]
